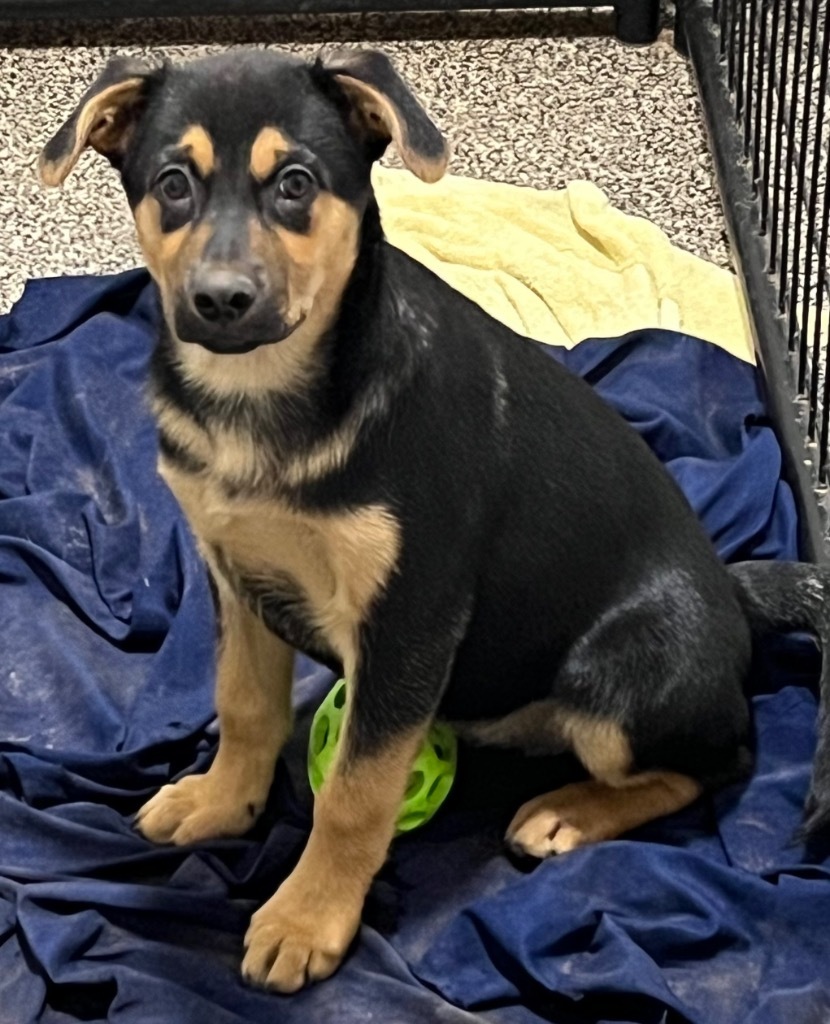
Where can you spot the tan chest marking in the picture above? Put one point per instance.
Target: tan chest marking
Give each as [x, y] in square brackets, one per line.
[237, 460]
[182, 430]
[340, 561]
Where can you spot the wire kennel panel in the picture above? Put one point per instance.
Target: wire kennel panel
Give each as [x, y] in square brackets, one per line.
[762, 70]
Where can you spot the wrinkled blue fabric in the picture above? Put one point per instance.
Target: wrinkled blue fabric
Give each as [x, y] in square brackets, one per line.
[711, 916]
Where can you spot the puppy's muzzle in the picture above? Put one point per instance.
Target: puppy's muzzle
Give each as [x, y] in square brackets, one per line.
[229, 308]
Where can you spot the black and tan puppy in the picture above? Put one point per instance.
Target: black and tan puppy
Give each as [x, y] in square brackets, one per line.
[382, 476]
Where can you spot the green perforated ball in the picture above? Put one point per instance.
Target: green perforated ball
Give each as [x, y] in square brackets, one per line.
[432, 773]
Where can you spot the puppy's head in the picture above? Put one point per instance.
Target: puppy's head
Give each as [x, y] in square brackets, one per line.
[248, 175]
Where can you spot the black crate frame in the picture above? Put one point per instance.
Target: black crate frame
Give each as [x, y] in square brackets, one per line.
[758, 111]
[637, 21]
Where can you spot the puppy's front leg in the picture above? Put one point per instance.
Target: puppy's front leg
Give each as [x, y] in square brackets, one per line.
[253, 701]
[302, 933]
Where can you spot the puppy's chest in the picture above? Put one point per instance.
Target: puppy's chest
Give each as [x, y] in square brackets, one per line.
[313, 576]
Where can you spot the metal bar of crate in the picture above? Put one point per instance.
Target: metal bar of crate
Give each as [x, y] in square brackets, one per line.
[637, 21]
[759, 69]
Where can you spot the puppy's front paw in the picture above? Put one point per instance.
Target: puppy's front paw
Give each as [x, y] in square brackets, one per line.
[195, 808]
[298, 937]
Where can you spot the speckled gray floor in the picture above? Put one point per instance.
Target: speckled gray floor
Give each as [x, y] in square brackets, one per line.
[535, 99]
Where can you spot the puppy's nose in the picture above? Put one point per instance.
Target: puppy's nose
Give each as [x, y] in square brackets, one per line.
[222, 296]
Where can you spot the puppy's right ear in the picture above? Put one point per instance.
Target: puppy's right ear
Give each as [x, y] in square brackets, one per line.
[104, 119]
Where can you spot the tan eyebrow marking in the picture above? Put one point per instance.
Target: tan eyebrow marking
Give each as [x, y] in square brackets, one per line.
[200, 146]
[269, 147]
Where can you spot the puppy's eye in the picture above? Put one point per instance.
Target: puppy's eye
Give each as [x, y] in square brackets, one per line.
[175, 186]
[295, 183]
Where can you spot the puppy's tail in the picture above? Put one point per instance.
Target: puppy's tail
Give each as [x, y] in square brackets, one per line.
[796, 596]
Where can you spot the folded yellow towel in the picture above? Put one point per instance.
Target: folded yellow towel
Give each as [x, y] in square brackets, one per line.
[560, 266]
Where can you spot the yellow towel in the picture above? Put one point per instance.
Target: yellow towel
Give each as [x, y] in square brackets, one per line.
[560, 266]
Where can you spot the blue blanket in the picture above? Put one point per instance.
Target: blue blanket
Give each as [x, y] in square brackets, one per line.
[712, 916]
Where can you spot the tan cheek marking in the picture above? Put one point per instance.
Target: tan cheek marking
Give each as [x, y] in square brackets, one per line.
[332, 237]
[311, 269]
[156, 248]
[269, 147]
[320, 261]
[200, 146]
[168, 254]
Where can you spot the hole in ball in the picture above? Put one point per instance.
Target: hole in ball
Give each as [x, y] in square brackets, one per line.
[435, 784]
[321, 735]
[411, 820]
[416, 781]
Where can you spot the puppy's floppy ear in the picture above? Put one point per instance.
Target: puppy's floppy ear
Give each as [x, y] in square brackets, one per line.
[387, 110]
[104, 119]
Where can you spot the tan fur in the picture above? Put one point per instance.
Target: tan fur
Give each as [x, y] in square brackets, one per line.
[253, 694]
[340, 561]
[269, 148]
[311, 269]
[103, 123]
[382, 117]
[169, 255]
[253, 700]
[327, 457]
[182, 430]
[314, 915]
[282, 367]
[240, 462]
[356, 810]
[589, 812]
[600, 745]
[197, 141]
[234, 456]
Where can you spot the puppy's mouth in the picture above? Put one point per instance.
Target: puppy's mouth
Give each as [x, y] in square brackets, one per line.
[229, 342]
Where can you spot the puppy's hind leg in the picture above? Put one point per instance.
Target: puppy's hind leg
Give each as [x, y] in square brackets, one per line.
[592, 811]
[676, 722]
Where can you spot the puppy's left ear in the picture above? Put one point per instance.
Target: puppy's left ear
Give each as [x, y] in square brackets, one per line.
[387, 111]
[103, 119]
